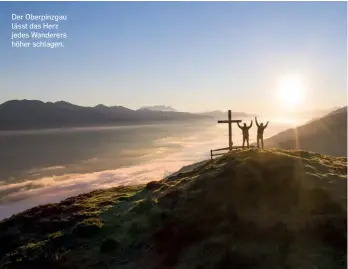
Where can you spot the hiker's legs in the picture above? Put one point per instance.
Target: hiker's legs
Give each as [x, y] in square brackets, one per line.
[243, 141]
[247, 140]
[258, 141]
[262, 141]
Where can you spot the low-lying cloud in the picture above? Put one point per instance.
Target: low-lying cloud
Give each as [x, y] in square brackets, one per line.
[23, 195]
[19, 196]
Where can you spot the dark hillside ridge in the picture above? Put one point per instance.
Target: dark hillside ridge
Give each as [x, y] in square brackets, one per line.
[327, 135]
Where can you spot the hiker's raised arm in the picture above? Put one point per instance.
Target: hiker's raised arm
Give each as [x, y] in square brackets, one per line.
[251, 124]
[256, 122]
[266, 124]
[239, 125]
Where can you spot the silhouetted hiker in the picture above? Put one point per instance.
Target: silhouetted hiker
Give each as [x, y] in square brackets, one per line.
[260, 129]
[245, 130]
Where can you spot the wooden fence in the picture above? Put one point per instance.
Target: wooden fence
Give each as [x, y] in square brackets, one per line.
[227, 149]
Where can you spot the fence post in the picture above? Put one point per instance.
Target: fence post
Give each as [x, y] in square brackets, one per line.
[211, 154]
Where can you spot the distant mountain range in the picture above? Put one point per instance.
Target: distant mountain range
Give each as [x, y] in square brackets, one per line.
[223, 114]
[159, 108]
[214, 113]
[326, 135]
[34, 114]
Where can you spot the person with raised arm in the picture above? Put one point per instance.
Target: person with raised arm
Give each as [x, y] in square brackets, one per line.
[260, 129]
[245, 130]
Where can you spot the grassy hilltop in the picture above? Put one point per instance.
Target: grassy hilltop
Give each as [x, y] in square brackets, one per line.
[248, 209]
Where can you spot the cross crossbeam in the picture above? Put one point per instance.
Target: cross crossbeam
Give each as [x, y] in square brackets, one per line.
[229, 121]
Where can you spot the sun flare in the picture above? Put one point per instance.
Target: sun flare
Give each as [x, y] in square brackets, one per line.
[291, 92]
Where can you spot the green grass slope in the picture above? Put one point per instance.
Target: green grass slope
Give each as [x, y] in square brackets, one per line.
[248, 209]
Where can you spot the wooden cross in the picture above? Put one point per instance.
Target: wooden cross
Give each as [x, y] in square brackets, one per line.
[229, 121]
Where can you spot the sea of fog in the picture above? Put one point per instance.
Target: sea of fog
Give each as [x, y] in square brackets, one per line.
[38, 167]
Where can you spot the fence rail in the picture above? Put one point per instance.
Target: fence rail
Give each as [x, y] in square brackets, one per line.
[227, 149]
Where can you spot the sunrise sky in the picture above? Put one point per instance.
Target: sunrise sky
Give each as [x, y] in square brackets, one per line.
[262, 57]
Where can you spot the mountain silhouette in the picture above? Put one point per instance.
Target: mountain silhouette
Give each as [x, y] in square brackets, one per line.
[159, 108]
[34, 114]
[326, 135]
[223, 114]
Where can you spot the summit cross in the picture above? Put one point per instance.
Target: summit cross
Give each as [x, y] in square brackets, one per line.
[229, 121]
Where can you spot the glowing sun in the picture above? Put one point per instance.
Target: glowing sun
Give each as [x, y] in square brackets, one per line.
[291, 91]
